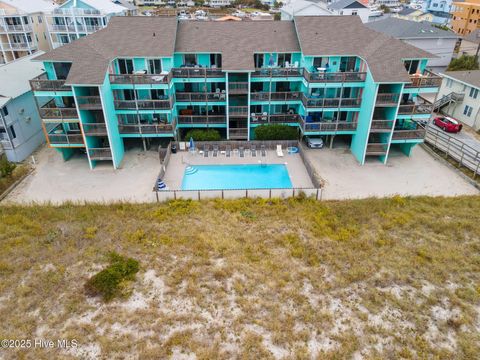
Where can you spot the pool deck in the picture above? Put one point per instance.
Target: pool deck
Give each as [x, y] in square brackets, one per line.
[179, 161]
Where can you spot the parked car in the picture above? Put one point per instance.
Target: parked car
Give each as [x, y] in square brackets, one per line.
[314, 143]
[448, 124]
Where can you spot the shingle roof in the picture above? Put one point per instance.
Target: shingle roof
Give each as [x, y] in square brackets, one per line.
[406, 11]
[342, 4]
[123, 37]
[237, 41]
[405, 29]
[30, 6]
[346, 35]
[471, 77]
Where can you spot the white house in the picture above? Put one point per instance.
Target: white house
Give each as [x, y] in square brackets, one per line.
[350, 7]
[423, 35]
[303, 7]
[466, 107]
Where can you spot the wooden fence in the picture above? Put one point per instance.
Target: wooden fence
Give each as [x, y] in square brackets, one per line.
[454, 148]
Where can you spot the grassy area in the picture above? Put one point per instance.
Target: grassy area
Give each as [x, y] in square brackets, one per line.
[384, 279]
[18, 173]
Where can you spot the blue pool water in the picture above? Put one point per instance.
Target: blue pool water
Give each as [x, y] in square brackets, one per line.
[215, 177]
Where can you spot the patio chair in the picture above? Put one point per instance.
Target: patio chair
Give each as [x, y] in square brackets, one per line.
[279, 150]
[223, 95]
[241, 149]
[254, 118]
[228, 151]
[182, 145]
[205, 150]
[215, 150]
[263, 151]
[264, 116]
[253, 151]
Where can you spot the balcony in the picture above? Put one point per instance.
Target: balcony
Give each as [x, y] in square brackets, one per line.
[387, 99]
[202, 119]
[238, 110]
[274, 118]
[415, 109]
[57, 136]
[276, 96]
[147, 129]
[417, 134]
[197, 72]
[50, 111]
[19, 46]
[334, 77]
[199, 96]
[313, 102]
[376, 149]
[140, 78]
[76, 11]
[143, 104]
[95, 129]
[41, 83]
[425, 80]
[89, 102]
[100, 154]
[381, 126]
[237, 88]
[278, 72]
[15, 28]
[61, 28]
[327, 126]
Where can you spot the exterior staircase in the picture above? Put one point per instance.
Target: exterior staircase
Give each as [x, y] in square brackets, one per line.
[446, 100]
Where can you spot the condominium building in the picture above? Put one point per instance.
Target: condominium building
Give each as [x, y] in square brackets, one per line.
[440, 9]
[22, 28]
[465, 16]
[78, 18]
[146, 78]
[20, 125]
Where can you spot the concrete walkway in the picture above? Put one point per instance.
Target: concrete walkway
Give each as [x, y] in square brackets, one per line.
[420, 174]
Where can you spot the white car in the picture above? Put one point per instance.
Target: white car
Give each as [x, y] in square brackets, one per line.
[314, 143]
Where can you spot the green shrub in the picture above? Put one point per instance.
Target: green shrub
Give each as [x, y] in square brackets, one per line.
[6, 167]
[464, 62]
[109, 282]
[276, 132]
[203, 135]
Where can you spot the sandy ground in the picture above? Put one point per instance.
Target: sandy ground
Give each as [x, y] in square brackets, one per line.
[296, 170]
[420, 174]
[56, 181]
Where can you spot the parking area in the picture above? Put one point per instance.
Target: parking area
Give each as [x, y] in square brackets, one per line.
[467, 135]
[420, 174]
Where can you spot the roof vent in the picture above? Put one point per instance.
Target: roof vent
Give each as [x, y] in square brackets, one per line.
[153, 34]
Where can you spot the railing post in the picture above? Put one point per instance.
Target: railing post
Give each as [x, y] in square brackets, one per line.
[246, 193]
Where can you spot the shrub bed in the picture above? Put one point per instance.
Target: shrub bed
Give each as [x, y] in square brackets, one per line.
[276, 132]
[203, 135]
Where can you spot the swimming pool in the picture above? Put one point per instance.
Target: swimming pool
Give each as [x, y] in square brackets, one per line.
[216, 177]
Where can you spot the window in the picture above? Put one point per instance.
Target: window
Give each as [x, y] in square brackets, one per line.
[473, 93]
[216, 60]
[467, 110]
[154, 66]
[411, 66]
[4, 111]
[190, 59]
[259, 60]
[449, 82]
[62, 69]
[320, 62]
[283, 59]
[464, 88]
[125, 66]
[40, 19]
[11, 130]
[354, 12]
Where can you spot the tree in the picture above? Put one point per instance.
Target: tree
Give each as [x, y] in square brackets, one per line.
[464, 62]
[277, 17]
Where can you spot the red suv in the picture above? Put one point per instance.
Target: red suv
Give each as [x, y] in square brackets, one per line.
[448, 124]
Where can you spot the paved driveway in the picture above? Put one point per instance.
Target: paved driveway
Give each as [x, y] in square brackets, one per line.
[467, 135]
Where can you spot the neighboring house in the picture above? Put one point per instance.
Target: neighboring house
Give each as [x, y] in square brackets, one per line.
[153, 78]
[77, 18]
[131, 8]
[303, 8]
[470, 44]
[320, 8]
[440, 9]
[22, 28]
[219, 3]
[350, 7]
[150, 2]
[423, 35]
[413, 15]
[459, 96]
[20, 125]
[465, 16]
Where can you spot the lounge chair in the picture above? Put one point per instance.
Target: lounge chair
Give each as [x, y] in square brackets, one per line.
[215, 150]
[241, 149]
[279, 151]
[254, 151]
[182, 146]
[228, 151]
[263, 151]
[205, 151]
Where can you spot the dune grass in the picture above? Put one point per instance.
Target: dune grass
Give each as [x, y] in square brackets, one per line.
[295, 279]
